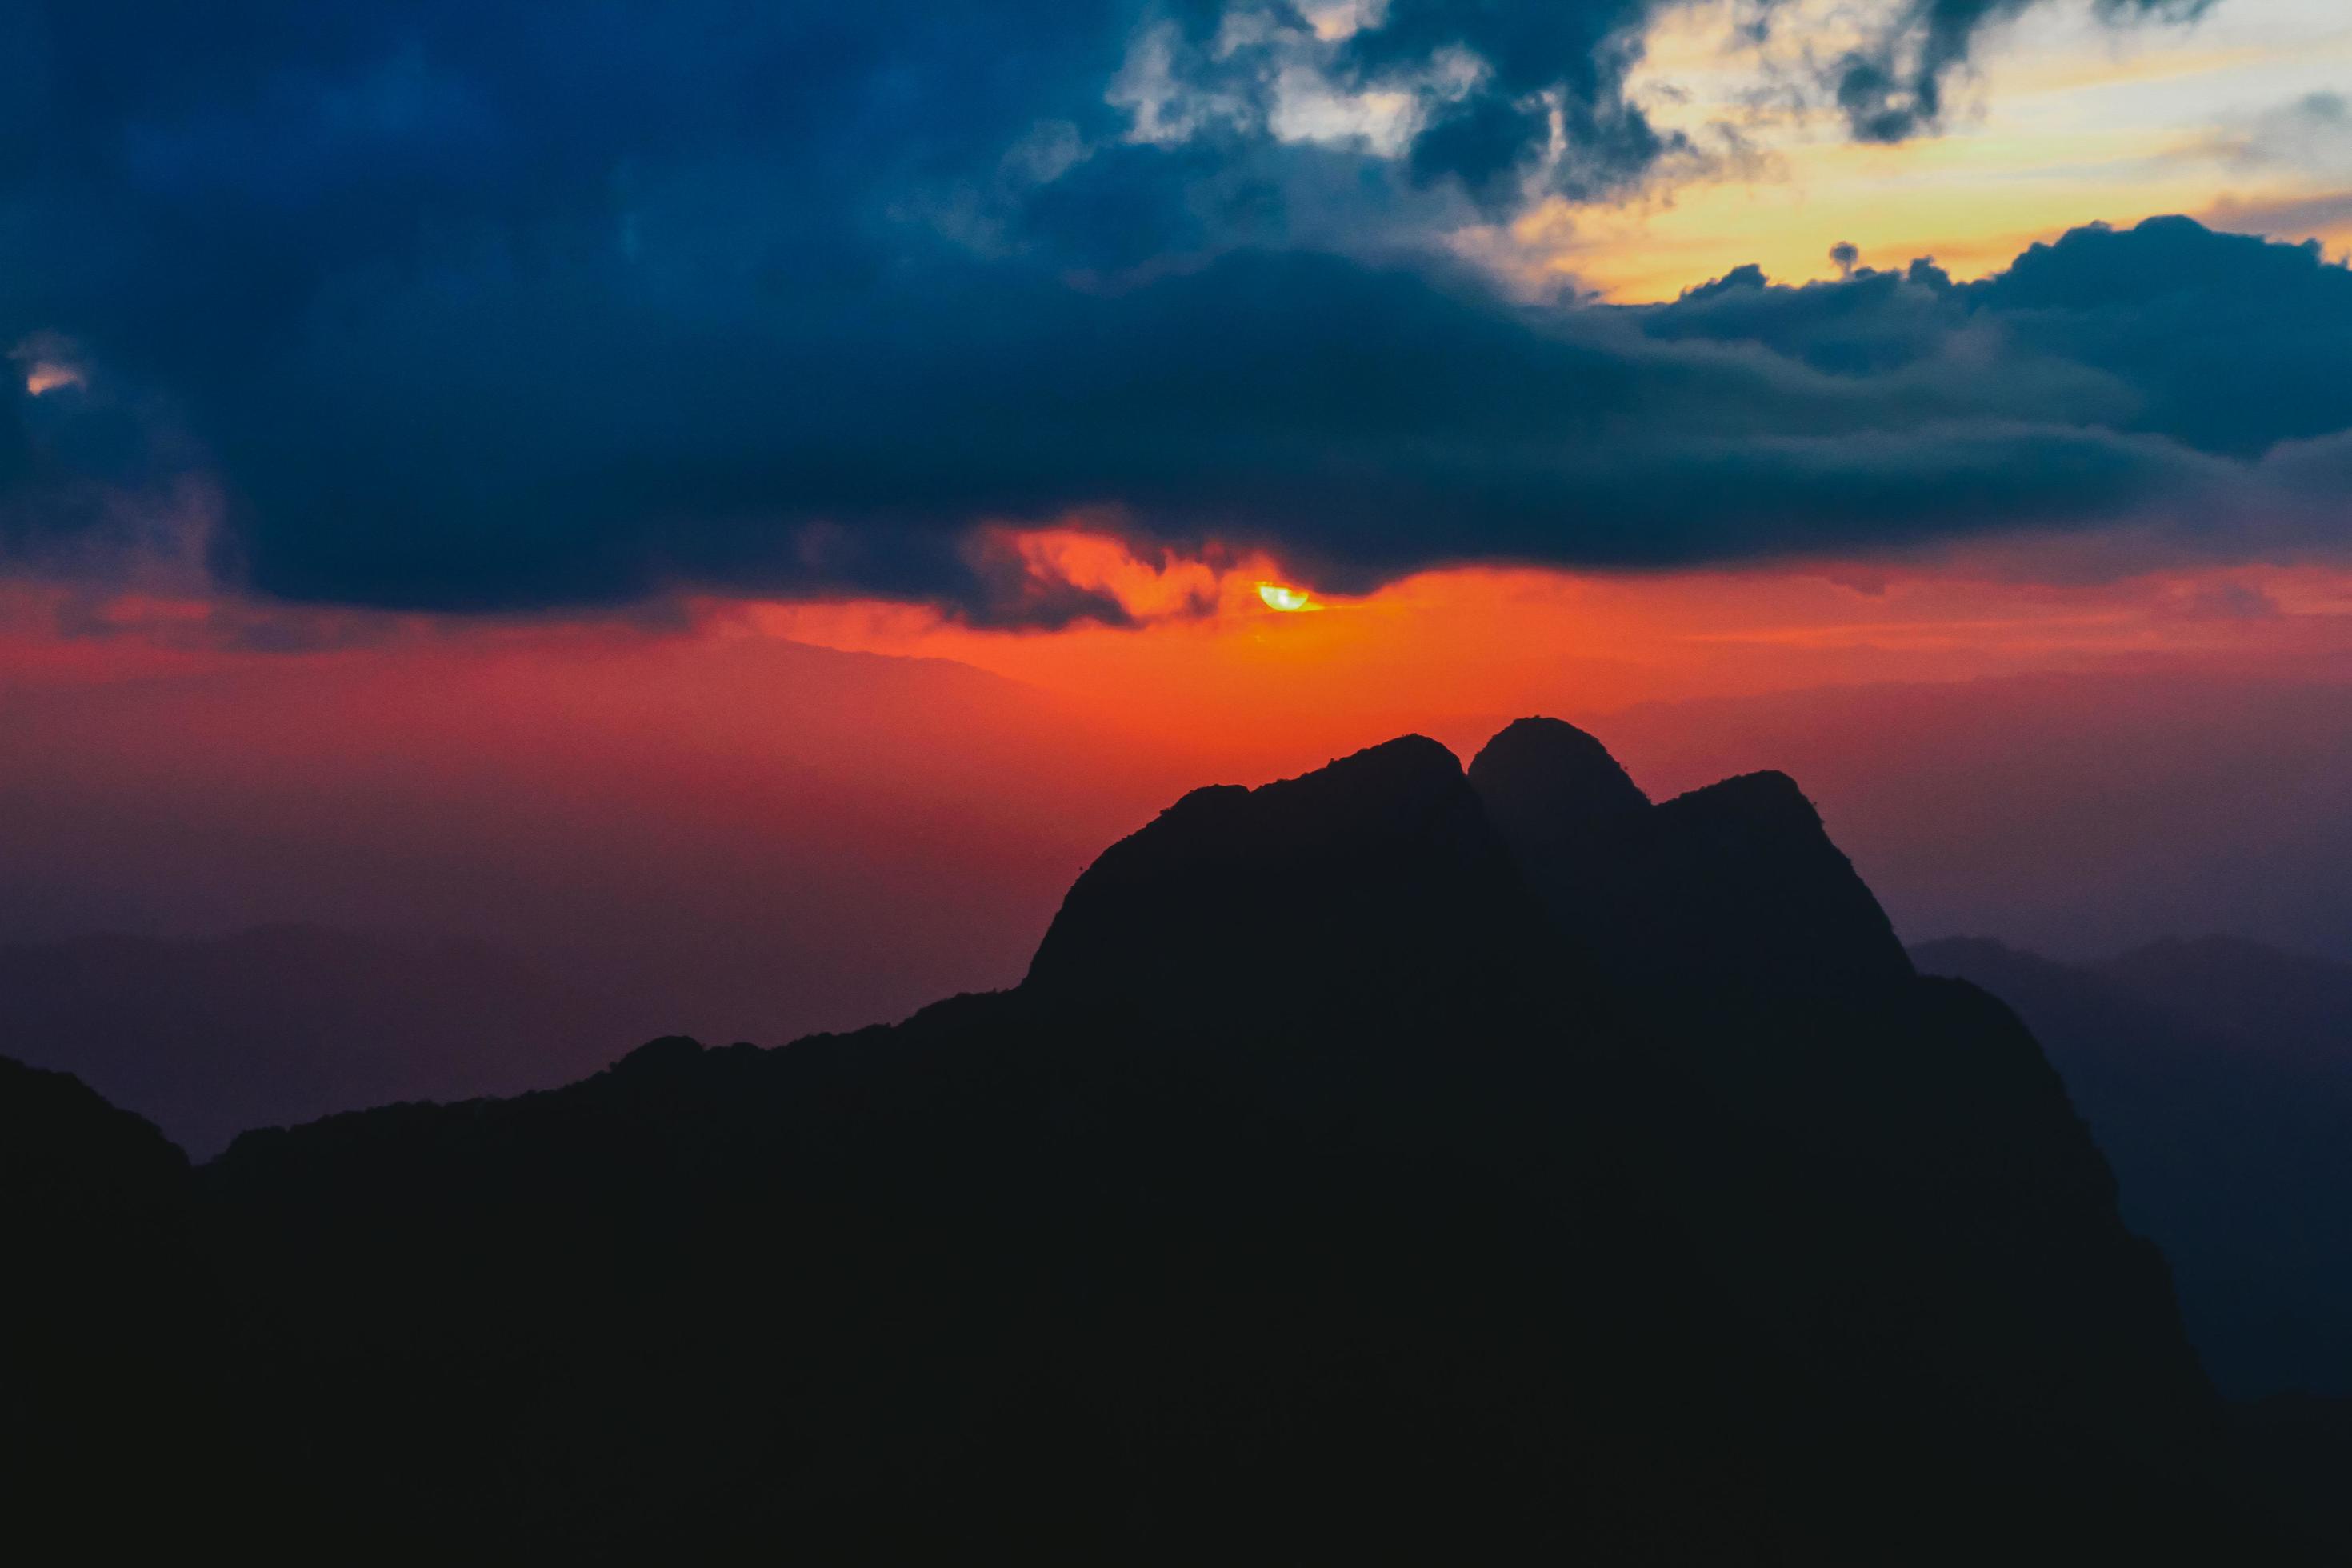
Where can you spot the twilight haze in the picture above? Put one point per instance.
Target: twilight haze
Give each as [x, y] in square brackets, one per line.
[739, 503]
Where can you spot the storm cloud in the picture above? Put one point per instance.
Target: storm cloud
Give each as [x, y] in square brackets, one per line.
[484, 306]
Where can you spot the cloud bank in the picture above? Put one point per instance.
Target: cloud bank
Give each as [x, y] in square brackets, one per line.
[487, 306]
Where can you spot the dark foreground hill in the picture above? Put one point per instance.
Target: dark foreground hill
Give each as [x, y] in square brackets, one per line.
[1385, 1164]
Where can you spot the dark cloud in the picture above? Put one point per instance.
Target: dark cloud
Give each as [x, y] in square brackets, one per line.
[1892, 88]
[2223, 343]
[1565, 61]
[484, 306]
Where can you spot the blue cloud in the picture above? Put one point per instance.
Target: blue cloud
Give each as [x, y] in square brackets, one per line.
[483, 305]
[2222, 343]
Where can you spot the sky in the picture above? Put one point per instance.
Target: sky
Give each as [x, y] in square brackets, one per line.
[744, 501]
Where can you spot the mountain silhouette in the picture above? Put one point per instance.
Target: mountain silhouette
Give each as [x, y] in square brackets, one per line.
[2215, 1076]
[1373, 883]
[1728, 892]
[1387, 1163]
[288, 1023]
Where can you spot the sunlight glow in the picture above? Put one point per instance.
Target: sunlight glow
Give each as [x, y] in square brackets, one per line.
[1279, 597]
[46, 377]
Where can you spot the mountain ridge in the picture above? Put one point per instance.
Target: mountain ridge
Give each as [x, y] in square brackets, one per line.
[286, 1022]
[1321, 1189]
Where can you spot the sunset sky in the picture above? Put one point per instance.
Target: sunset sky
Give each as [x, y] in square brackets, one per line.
[744, 501]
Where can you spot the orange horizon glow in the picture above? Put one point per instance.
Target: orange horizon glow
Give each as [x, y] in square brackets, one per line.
[902, 827]
[1212, 652]
[1448, 651]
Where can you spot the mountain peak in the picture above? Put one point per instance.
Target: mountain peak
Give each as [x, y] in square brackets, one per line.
[1396, 780]
[1766, 791]
[1756, 807]
[1750, 875]
[1540, 778]
[1739, 880]
[665, 1057]
[1376, 866]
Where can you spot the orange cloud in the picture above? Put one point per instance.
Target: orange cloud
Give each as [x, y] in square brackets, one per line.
[44, 375]
[1101, 563]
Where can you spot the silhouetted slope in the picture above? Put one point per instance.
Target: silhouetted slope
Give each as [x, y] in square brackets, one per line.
[2289, 1005]
[2231, 1151]
[284, 1024]
[1888, 1162]
[1316, 1198]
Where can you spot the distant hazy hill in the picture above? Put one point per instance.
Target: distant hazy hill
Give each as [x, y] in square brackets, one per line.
[2288, 1005]
[1385, 1164]
[2217, 1076]
[286, 1024]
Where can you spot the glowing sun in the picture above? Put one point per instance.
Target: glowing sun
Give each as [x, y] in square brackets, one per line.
[1279, 597]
